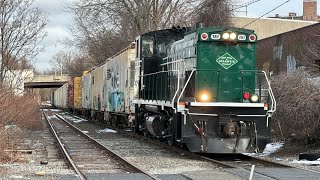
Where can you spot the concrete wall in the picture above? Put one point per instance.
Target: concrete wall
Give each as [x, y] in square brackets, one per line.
[267, 27]
[14, 79]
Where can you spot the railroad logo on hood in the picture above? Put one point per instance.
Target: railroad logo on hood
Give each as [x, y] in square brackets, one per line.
[227, 61]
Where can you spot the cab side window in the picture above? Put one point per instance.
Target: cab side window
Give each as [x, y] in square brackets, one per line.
[147, 48]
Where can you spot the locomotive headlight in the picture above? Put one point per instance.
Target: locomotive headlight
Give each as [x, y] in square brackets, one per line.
[254, 98]
[233, 36]
[226, 36]
[204, 97]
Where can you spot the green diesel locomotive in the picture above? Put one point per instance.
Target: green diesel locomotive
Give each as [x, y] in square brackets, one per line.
[199, 89]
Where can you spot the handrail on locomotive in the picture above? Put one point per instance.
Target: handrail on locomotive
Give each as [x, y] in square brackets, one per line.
[174, 105]
[270, 92]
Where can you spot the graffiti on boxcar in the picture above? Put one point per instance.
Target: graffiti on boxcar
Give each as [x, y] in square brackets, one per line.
[97, 103]
[116, 97]
[117, 102]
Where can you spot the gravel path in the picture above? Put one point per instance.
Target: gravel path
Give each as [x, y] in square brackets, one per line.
[154, 159]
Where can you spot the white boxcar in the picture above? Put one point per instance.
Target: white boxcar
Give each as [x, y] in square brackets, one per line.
[120, 81]
[61, 97]
[97, 84]
[86, 91]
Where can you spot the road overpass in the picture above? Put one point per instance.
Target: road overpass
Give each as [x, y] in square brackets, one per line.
[46, 81]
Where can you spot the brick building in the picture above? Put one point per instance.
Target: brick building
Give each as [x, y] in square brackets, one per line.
[309, 12]
[288, 51]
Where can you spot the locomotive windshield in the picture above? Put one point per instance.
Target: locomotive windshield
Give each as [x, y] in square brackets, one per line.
[147, 48]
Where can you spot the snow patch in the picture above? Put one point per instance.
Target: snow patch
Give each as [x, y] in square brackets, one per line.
[272, 148]
[51, 117]
[106, 130]
[306, 162]
[75, 119]
[55, 110]
[269, 149]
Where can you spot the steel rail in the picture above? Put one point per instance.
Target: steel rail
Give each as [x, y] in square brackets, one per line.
[194, 155]
[264, 161]
[217, 162]
[118, 157]
[66, 154]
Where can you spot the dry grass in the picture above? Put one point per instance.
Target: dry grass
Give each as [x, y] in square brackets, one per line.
[298, 109]
[17, 116]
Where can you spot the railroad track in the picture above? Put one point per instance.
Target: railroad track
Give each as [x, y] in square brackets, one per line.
[89, 158]
[128, 144]
[244, 161]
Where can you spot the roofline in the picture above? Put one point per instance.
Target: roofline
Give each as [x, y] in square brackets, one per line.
[289, 32]
[278, 19]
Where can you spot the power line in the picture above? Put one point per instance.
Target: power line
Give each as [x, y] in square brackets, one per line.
[266, 13]
[245, 4]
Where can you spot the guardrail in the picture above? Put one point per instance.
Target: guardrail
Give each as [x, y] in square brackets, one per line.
[165, 85]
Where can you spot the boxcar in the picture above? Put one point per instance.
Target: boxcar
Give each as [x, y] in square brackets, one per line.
[86, 93]
[97, 83]
[61, 97]
[119, 86]
[77, 91]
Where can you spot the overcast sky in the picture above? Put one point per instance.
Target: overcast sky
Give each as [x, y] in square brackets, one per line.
[57, 29]
[59, 20]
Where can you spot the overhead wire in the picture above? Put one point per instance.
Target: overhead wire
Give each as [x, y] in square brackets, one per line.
[266, 13]
[245, 4]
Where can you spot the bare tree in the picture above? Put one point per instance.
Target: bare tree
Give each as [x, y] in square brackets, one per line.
[310, 53]
[71, 63]
[21, 31]
[103, 27]
[214, 13]
[129, 17]
[79, 64]
[60, 59]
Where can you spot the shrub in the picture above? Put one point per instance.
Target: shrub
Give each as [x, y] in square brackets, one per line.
[18, 115]
[298, 109]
